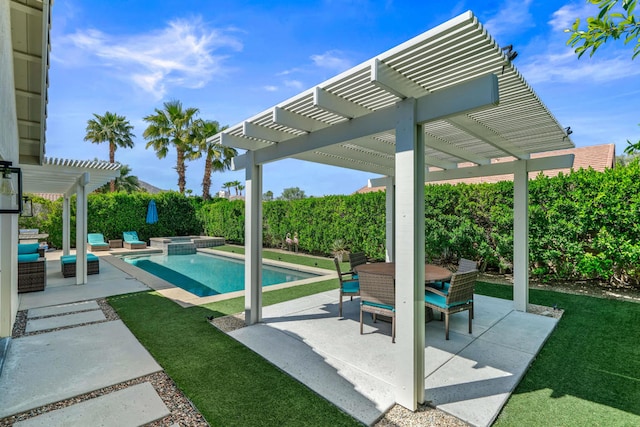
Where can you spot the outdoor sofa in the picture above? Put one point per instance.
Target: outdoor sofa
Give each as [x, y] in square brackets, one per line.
[32, 268]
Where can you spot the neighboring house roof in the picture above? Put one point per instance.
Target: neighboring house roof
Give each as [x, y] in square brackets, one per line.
[598, 157]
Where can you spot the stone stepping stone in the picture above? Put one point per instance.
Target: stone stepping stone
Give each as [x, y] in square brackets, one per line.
[132, 406]
[62, 309]
[64, 320]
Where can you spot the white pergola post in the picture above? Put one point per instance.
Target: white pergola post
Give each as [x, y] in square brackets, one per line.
[253, 242]
[390, 219]
[81, 229]
[409, 250]
[66, 224]
[520, 236]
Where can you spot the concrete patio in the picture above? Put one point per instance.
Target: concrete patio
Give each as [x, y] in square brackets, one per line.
[469, 376]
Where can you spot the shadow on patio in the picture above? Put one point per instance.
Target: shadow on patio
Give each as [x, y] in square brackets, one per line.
[469, 376]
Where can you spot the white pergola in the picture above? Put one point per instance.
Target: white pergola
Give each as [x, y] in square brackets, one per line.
[412, 114]
[69, 177]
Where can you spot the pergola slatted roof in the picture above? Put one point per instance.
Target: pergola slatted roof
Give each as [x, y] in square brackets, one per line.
[455, 52]
[59, 176]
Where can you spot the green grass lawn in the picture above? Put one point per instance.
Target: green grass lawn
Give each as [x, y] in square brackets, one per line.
[587, 374]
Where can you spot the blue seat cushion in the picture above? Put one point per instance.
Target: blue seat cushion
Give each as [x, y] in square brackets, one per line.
[131, 237]
[378, 305]
[28, 248]
[351, 287]
[71, 259]
[439, 300]
[28, 257]
[95, 238]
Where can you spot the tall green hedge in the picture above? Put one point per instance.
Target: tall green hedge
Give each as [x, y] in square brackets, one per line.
[583, 225]
[113, 213]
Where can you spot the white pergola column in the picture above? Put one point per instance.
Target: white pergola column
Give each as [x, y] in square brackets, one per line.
[409, 251]
[81, 229]
[253, 242]
[390, 219]
[66, 224]
[520, 236]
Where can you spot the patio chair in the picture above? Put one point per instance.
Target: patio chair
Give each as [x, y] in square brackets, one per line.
[32, 268]
[458, 298]
[95, 242]
[348, 287]
[356, 259]
[464, 265]
[131, 241]
[377, 296]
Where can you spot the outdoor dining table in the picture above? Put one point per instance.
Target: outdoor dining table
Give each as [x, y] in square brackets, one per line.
[432, 273]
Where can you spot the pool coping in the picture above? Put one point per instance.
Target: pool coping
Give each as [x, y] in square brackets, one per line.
[186, 299]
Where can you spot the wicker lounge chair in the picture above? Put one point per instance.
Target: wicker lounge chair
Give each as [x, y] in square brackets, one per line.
[96, 242]
[32, 268]
[459, 297]
[68, 265]
[348, 287]
[377, 296]
[131, 241]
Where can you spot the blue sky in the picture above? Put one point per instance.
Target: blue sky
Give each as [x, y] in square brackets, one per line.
[232, 59]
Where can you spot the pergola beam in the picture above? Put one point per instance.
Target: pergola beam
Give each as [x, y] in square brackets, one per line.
[469, 96]
[543, 163]
[267, 134]
[451, 149]
[483, 133]
[296, 121]
[393, 82]
[327, 101]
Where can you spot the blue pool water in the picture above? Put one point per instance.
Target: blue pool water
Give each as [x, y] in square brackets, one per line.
[205, 275]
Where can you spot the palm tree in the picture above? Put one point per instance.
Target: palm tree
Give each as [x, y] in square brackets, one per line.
[124, 182]
[218, 157]
[111, 128]
[241, 187]
[235, 185]
[172, 126]
[226, 186]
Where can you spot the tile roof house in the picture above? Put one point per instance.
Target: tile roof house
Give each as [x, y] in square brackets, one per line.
[598, 157]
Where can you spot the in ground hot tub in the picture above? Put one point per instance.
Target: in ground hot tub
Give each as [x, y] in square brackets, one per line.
[184, 245]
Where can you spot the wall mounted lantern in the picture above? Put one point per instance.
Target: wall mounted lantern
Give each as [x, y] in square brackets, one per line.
[10, 188]
[27, 207]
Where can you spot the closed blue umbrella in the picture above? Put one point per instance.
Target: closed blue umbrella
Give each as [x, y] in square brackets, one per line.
[152, 212]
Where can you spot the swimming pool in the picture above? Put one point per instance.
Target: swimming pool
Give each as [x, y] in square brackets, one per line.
[205, 275]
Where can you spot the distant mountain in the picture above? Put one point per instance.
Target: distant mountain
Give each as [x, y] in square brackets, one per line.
[151, 189]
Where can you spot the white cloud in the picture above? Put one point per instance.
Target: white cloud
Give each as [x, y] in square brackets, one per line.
[564, 17]
[296, 84]
[270, 88]
[332, 59]
[513, 17]
[565, 67]
[181, 54]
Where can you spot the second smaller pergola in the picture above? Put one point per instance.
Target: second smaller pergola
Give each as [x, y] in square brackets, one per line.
[69, 177]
